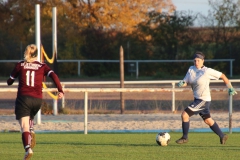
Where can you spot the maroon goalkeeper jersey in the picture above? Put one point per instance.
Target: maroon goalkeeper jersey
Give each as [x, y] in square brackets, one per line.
[30, 76]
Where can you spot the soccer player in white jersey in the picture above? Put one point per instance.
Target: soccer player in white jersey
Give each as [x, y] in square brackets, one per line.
[199, 76]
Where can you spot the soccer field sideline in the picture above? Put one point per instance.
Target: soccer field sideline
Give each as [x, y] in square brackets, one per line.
[198, 130]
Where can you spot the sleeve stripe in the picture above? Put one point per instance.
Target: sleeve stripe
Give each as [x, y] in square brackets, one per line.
[49, 73]
[12, 77]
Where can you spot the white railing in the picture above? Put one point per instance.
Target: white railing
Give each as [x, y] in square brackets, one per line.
[172, 82]
[86, 90]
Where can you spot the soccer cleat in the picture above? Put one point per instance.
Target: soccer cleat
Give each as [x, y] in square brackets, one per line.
[33, 140]
[224, 139]
[182, 140]
[28, 154]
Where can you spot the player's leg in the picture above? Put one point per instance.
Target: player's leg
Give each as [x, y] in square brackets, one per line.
[22, 112]
[36, 105]
[186, 122]
[26, 137]
[32, 133]
[214, 127]
[186, 114]
[31, 123]
[194, 108]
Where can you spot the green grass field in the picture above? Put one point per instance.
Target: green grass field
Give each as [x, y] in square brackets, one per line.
[124, 146]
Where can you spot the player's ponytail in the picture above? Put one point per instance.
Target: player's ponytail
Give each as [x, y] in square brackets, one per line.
[30, 53]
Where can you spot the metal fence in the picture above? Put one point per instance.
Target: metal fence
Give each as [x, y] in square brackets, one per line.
[135, 63]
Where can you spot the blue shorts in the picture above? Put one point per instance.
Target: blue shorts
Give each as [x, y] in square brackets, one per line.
[198, 106]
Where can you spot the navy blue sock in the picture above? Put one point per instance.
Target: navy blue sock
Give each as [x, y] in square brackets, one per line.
[215, 128]
[185, 129]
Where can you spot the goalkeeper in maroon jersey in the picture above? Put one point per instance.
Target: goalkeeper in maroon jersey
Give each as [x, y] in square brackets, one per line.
[30, 74]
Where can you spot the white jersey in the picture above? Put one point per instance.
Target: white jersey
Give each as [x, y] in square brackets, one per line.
[199, 79]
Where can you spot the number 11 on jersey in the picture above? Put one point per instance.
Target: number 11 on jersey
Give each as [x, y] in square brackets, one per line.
[30, 75]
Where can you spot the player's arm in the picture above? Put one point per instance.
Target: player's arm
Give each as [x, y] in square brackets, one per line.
[10, 80]
[182, 83]
[225, 79]
[14, 74]
[57, 83]
[231, 90]
[185, 84]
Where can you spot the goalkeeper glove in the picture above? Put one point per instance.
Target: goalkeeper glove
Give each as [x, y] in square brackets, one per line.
[231, 90]
[180, 84]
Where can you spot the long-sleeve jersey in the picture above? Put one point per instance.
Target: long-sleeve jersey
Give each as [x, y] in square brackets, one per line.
[30, 76]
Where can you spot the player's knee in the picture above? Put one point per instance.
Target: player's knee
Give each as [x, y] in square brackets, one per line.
[185, 116]
[205, 117]
[209, 121]
[205, 121]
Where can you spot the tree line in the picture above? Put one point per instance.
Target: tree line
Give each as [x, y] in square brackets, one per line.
[95, 30]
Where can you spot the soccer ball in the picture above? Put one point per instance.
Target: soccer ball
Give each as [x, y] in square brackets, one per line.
[163, 138]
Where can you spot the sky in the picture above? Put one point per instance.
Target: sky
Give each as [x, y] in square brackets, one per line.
[198, 6]
[195, 6]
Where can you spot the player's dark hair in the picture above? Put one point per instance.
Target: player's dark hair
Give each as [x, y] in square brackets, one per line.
[198, 55]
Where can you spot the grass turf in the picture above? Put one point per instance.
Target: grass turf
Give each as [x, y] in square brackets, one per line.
[124, 146]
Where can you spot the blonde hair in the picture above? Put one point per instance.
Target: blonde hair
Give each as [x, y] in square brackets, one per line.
[30, 53]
